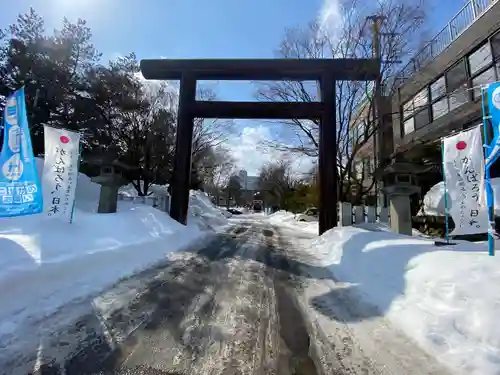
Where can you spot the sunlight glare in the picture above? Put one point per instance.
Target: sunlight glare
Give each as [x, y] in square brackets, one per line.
[79, 8]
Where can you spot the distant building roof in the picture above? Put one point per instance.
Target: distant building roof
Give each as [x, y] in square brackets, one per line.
[252, 183]
[248, 183]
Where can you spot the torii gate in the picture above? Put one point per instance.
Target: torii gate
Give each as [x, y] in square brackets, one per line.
[324, 71]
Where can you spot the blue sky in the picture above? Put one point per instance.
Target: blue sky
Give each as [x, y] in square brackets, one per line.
[199, 29]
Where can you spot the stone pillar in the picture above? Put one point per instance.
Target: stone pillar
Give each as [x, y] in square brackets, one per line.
[108, 199]
[345, 214]
[359, 214]
[398, 196]
[400, 213]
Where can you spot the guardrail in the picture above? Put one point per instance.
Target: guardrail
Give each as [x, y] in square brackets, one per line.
[469, 13]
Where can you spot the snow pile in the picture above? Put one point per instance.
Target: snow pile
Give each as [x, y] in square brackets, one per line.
[434, 199]
[282, 216]
[287, 219]
[445, 298]
[200, 206]
[45, 263]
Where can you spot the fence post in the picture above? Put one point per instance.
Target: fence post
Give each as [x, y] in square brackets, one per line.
[345, 214]
[167, 204]
[371, 214]
[359, 214]
[384, 215]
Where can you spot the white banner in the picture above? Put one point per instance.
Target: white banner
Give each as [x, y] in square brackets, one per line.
[463, 163]
[60, 172]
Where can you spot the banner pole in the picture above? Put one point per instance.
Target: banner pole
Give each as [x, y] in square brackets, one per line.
[488, 188]
[447, 236]
[76, 181]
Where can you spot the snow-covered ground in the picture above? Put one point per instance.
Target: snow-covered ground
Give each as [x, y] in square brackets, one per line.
[445, 298]
[45, 264]
[287, 219]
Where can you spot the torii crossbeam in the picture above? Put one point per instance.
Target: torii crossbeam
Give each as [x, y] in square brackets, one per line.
[324, 71]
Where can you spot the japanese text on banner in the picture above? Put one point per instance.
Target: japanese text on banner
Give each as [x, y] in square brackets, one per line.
[60, 172]
[464, 174]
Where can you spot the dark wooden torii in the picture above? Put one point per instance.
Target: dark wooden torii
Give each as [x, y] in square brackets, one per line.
[324, 71]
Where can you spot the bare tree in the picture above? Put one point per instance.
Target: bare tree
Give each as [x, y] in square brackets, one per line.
[208, 133]
[275, 181]
[215, 168]
[401, 30]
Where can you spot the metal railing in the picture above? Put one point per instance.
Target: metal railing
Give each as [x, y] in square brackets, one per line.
[458, 24]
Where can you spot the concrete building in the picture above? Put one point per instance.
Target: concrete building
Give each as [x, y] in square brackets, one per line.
[437, 93]
[249, 185]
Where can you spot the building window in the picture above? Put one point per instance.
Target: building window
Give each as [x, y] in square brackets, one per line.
[457, 98]
[456, 77]
[439, 98]
[484, 78]
[480, 59]
[440, 108]
[408, 108]
[438, 88]
[451, 90]
[422, 118]
[420, 100]
[495, 44]
[416, 111]
[409, 126]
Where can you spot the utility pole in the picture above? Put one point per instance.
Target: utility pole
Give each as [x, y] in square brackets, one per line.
[376, 98]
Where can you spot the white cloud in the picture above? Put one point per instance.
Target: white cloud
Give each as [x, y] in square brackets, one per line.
[250, 155]
[330, 17]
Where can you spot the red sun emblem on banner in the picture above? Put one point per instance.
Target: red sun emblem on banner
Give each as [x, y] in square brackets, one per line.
[461, 145]
[64, 139]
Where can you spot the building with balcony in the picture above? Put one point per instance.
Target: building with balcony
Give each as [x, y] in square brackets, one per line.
[439, 90]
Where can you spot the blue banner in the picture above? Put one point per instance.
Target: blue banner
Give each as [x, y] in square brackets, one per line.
[493, 148]
[20, 189]
[491, 151]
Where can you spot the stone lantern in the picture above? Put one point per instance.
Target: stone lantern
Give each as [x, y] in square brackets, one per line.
[110, 178]
[400, 182]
